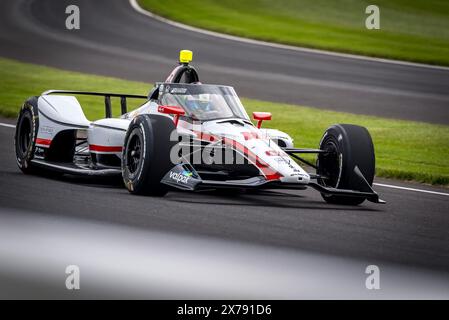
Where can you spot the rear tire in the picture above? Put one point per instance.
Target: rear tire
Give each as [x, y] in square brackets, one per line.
[352, 146]
[146, 154]
[26, 133]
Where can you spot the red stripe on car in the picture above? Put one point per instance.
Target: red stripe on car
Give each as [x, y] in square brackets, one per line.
[267, 171]
[43, 142]
[98, 148]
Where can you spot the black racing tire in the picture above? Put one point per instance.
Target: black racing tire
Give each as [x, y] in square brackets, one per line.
[351, 146]
[25, 136]
[146, 154]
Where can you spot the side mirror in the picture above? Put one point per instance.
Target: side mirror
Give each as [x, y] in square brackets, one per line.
[174, 110]
[261, 116]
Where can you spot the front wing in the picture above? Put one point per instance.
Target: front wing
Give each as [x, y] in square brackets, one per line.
[184, 177]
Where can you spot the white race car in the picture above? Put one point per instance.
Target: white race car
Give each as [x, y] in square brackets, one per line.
[189, 136]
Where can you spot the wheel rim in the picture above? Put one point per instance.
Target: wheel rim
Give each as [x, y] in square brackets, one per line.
[329, 164]
[24, 139]
[134, 154]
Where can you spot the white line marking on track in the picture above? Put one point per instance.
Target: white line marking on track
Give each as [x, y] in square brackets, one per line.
[7, 125]
[139, 9]
[377, 184]
[410, 189]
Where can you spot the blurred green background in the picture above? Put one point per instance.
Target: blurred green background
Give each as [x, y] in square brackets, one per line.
[415, 30]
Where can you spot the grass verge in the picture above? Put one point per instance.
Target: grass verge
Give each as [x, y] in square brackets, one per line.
[405, 150]
[413, 30]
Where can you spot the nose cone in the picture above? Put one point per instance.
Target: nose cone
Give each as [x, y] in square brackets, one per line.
[291, 172]
[299, 178]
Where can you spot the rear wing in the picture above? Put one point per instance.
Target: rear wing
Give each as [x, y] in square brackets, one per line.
[107, 98]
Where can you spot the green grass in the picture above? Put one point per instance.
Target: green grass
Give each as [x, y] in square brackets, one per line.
[404, 149]
[412, 30]
[22, 80]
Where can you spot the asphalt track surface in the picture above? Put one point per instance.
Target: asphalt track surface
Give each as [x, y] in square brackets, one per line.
[412, 229]
[116, 40]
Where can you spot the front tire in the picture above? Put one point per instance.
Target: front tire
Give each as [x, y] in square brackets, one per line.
[349, 146]
[146, 154]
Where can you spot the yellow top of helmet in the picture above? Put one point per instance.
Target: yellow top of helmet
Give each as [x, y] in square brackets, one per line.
[185, 56]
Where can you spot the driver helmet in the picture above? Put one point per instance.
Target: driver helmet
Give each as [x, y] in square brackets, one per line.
[200, 102]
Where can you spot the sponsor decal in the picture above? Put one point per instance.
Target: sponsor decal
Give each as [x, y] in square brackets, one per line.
[282, 160]
[288, 163]
[178, 90]
[273, 153]
[340, 137]
[182, 177]
[187, 173]
[47, 129]
[297, 175]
